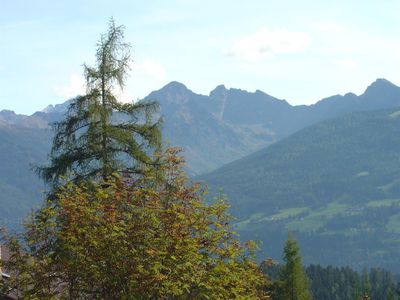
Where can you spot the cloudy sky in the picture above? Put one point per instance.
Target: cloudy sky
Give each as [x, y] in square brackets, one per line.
[300, 51]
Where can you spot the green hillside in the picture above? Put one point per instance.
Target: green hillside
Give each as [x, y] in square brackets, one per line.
[335, 184]
[20, 150]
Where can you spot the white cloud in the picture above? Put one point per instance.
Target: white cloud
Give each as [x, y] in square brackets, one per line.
[348, 64]
[265, 43]
[151, 68]
[75, 87]
[124, 95]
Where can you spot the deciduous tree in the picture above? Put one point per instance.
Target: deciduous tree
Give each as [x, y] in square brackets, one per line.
[135, 239]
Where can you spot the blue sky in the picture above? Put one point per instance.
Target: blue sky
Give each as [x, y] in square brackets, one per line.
[300, 51]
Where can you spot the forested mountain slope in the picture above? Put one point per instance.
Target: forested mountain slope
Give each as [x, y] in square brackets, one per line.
[335, 184]
[21, 149]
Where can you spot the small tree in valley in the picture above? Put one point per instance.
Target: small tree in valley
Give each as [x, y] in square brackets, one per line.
[293, 281]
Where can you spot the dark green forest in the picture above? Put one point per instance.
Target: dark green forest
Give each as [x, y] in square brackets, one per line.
[344, 283]
[335, 184]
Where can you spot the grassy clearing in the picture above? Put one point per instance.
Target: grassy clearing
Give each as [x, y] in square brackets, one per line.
[254, 218]
[395, 114]
[318, 218]
[393, 224]
[260, 218]
[383, 202]
[362, 174]
[387, 187]
[314, 220]
[286, 213]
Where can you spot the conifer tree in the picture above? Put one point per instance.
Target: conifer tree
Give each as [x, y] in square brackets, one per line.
[293, 279]
[365, 283]
[100, 135]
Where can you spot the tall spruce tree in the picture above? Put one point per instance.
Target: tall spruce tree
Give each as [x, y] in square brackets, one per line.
[365, 283]
[293, 279]
[100, 135]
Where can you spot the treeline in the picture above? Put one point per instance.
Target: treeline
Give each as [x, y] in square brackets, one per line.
[344, 283]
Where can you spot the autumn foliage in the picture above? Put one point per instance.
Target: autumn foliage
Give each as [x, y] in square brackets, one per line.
[151, 237]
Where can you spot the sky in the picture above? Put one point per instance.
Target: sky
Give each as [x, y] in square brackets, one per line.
[300, 51]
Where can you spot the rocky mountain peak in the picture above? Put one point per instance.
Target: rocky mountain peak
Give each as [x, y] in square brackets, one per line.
[219, 90]
[380, 85]
[174, 86]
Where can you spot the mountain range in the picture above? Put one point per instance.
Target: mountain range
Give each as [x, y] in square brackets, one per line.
[220, 130]
[228, 124]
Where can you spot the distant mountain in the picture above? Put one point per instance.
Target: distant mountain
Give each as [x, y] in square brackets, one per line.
[335, 184]
[206, 128]
[232, 123]
[213, 129]
[21, 148]
[379, 95]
